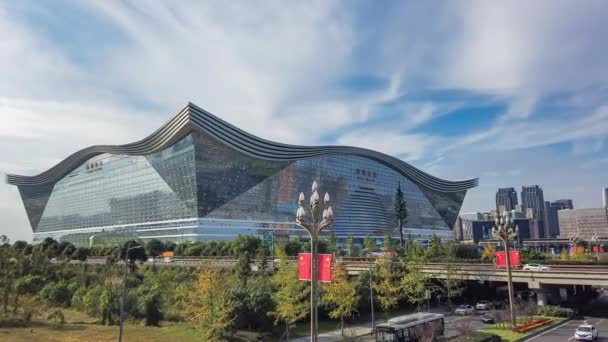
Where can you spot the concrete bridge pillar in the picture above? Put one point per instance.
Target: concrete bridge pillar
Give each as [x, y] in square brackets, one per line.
[563, 294]
[541, 297]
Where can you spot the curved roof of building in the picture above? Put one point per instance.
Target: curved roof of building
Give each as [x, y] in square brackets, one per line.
[194, 118]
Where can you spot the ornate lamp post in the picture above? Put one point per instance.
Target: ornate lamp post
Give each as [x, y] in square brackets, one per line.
[313, 224]
[503, 229]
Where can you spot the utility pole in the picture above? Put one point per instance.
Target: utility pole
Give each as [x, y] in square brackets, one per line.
[124, 292]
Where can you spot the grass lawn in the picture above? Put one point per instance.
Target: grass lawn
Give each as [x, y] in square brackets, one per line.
[508, 335]
[92, 332]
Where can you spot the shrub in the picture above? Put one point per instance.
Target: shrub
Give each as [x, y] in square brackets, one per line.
[553, 311]
[56, 294]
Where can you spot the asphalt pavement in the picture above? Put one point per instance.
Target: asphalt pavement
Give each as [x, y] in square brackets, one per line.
[565, 332]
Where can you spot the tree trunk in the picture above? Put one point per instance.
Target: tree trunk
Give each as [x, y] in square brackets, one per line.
[286, 331]
[342, 325]
[16, 304]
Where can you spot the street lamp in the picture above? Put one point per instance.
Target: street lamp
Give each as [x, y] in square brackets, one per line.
[124, 291]
[313, 224]
[503, 229]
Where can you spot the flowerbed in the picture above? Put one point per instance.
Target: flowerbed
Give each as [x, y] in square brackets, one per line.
[532, 325]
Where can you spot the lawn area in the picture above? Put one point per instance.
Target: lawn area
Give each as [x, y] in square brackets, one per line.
[508, 335]
[181, 332]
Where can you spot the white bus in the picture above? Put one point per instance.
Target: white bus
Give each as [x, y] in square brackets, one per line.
[422, 326]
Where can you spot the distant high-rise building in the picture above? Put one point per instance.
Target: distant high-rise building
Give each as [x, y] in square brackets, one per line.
[506, 197]
[551, 217]
[585, 223]
[532, 198]
[605, 197]
[566, 203]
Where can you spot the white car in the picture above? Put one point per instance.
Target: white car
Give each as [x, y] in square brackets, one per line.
[465, 310]
[536, 267]
[483, 305]
[167, 259]
[586, 332]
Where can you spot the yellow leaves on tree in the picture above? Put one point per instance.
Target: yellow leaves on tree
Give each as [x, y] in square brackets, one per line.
[208, 304]
[291, 295]
[386, 287]
[341, 294]
[489, 252]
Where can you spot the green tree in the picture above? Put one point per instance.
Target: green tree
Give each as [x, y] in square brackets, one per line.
[388, 243]
[66, 249]
[435, 249]
[340, 295]
[243, 268]
[29, 284]
[386, 287]
[134, 254]
[352, 248]
[451, 282]
[148, 303]
[291, 294]
[400, 213]
[154, 247]
[245, 243]
[332, 243]
[465, 252]
[370, 245]
[81, 254]
[209, 305]
[56, 294]
[8, 271]
[415, 283]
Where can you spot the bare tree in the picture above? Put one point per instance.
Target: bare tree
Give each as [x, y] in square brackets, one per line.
[464, 328]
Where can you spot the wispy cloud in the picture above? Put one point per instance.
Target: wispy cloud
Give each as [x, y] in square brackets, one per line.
[278, 70]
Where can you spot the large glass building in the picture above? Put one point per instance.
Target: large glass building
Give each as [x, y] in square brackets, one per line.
[200, 178]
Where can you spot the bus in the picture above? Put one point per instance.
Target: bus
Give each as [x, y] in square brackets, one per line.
[422, 326]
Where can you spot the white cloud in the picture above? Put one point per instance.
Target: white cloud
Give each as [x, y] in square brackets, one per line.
[273, 70]
[409, 147]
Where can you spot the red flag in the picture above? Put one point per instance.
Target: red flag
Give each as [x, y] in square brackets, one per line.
[515, 258]
[304, 266]
[324, 272]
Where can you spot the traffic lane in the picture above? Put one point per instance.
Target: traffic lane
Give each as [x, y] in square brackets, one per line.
[456, 325]
[565, 332]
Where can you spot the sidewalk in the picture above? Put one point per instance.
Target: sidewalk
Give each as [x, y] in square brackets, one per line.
[351, 331]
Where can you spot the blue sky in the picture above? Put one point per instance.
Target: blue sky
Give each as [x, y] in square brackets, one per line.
[514, 92]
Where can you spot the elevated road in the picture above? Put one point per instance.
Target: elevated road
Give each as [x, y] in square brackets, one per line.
[591, 275]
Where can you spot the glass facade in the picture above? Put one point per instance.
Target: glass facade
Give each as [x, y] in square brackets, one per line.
[200, 188]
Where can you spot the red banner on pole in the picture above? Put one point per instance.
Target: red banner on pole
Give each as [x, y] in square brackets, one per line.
[514, 256]
[325, 268]
[304, 266]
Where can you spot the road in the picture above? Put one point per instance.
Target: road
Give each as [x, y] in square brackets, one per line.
[453, 327]
[565, 332]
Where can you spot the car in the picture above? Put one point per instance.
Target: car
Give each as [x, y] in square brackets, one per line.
[536, 267]
[586, 332]
[488, 318]
[483, 305]
[465, 310]
[150, 259]
[167, 259]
